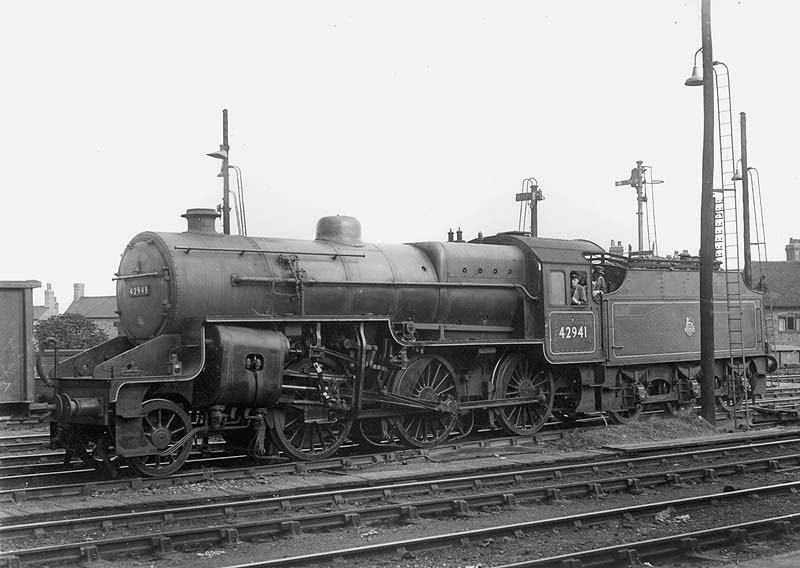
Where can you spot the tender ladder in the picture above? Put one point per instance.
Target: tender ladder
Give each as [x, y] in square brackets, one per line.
[726, 229]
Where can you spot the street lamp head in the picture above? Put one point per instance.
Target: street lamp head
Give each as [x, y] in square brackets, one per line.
[696, 78]
[219, 154]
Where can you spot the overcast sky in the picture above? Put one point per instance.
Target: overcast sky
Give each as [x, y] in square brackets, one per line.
[413, 116]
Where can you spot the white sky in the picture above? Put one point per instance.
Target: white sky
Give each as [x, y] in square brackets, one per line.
[413, 116]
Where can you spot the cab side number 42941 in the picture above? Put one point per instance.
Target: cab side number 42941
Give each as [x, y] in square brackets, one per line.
[573, 332]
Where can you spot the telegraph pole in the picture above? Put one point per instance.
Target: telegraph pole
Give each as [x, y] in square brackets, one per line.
[707, 250]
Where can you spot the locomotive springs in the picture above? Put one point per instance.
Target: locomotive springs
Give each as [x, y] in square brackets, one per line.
[290, 348]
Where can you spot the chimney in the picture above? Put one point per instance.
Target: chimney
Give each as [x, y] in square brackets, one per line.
[49, 297]
[79, 290]
[201, 220]
[793, 249]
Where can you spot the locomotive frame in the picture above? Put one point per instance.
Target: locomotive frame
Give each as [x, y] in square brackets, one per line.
[291, 348]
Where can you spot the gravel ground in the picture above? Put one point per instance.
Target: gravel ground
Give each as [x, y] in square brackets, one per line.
[490, 552]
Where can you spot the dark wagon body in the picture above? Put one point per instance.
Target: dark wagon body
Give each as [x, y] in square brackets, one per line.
[18, 395]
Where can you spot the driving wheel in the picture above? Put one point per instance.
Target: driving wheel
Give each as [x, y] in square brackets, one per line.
[430, 378]
[517, 376]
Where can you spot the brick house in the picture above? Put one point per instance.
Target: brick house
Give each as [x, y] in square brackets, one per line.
[783, 286]
[100, 310]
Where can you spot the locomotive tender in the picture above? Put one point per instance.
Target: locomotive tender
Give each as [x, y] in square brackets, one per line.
[293, 347]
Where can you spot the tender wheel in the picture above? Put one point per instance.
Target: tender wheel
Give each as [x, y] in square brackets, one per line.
[729, 401]
[517, 376]
[626, 416]
[309, 431]
[165, 425]
[679, 410]
[672, 408]
[431, 378]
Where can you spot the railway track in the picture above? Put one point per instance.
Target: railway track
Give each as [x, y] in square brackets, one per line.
[437, 484]
[685, 544]
[24, 442]
[23, 483]
[34, 434]
[29, 455]
[405, 500]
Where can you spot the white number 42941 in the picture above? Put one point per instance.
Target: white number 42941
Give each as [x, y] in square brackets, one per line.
[573, 332]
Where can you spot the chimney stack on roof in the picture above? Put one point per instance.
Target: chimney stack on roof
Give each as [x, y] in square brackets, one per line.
[616, 248]
[79, 290]
[793, 249]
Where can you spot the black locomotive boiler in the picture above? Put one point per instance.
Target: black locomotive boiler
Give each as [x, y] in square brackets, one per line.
[291, 348]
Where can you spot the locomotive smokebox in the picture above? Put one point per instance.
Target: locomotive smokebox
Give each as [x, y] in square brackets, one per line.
[340, 229]
[201, 220]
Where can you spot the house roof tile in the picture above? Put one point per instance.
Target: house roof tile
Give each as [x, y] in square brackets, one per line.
[783, 281]
[94, 307]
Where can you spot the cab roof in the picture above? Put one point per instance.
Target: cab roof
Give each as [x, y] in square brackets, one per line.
[549, 251]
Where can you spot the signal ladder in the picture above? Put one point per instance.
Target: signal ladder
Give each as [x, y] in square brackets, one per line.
[650, 211]
[726, 237]
[761, 256]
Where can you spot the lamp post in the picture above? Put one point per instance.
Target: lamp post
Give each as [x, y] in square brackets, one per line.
[222, 154]
[748, 271]
[532, 194]
[707, 252]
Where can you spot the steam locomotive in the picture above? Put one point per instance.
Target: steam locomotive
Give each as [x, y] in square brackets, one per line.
[291, 348]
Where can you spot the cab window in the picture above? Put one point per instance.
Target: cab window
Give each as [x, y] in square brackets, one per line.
[558, 288]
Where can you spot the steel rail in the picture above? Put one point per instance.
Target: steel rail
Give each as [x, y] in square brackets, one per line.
[19, 488]
[92, 485]
[339, 496]
[674, 546]
[25, 442]
[231, 534]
